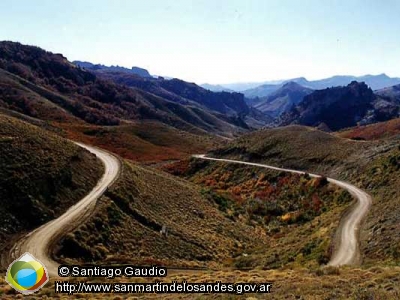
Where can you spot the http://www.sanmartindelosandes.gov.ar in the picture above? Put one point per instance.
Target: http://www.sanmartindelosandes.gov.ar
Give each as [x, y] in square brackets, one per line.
[26, 274]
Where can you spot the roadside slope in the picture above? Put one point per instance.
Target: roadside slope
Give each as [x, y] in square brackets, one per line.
[41, 176]
[374, 166]
[348, 251]
[40, 240]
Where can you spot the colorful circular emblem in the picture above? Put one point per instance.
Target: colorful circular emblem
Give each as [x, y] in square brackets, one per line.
[26, 274]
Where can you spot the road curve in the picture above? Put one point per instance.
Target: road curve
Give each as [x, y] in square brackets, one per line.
[347, 250]
[39, 242]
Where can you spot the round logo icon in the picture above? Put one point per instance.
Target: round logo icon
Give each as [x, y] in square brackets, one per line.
[26, 274]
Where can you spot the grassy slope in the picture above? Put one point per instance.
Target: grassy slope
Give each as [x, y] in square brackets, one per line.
[146, 141]
[373, 166]
[143, 141]
[41, 176]
[374, 131]
[17, 94]
[127, 224]
[300, 147]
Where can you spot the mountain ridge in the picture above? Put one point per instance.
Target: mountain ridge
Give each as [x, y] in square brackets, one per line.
[94, 99]
[100, 67]
[263, 89]
[340, 107]
[282, 100]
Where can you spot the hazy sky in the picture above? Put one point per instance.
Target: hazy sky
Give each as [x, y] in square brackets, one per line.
[216, 41]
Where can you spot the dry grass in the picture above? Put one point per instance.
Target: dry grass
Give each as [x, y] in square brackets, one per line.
[145, 141]
[371, 165]
[304, 148]
[129, 219]
[297, 214]
[41, 175]
[376, 131]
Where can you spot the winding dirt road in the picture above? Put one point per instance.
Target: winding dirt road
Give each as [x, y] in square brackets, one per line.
[347, 250]
[39, 242]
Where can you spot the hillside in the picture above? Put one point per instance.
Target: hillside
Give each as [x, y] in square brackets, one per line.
[391, 93]
[388, 129]
[297, 214]
[300, 147]
[373, 166]
[341, 107]
[228, 106]
[283, 99]
[160, 142]
[45, 89]
[41, 176]
[145, 142]
[30, 73]
[129, 218]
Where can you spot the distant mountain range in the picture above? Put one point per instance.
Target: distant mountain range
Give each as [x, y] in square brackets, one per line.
[282, 100]
[230, 106]
[47, 86]
[216, 88]
[242, 86]
[254, 90]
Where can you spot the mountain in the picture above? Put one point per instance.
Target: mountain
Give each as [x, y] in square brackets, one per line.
[47, 86]
[375, 82]
[390, 93]
[261, 91]
[215, 88]
[242, 86]
[230, 107]
[283, 99]
[102, 68]
[341, 107]
[230, 104]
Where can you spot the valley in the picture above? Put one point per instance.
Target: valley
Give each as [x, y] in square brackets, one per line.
[113, 166]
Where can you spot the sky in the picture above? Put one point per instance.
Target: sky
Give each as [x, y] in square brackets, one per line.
[215, 41]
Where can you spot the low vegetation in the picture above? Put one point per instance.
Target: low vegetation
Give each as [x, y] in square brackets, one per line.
[127, 223]
[41, 176]
[297, 214]
[388, 129]
[371, 165]
[144, 142]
